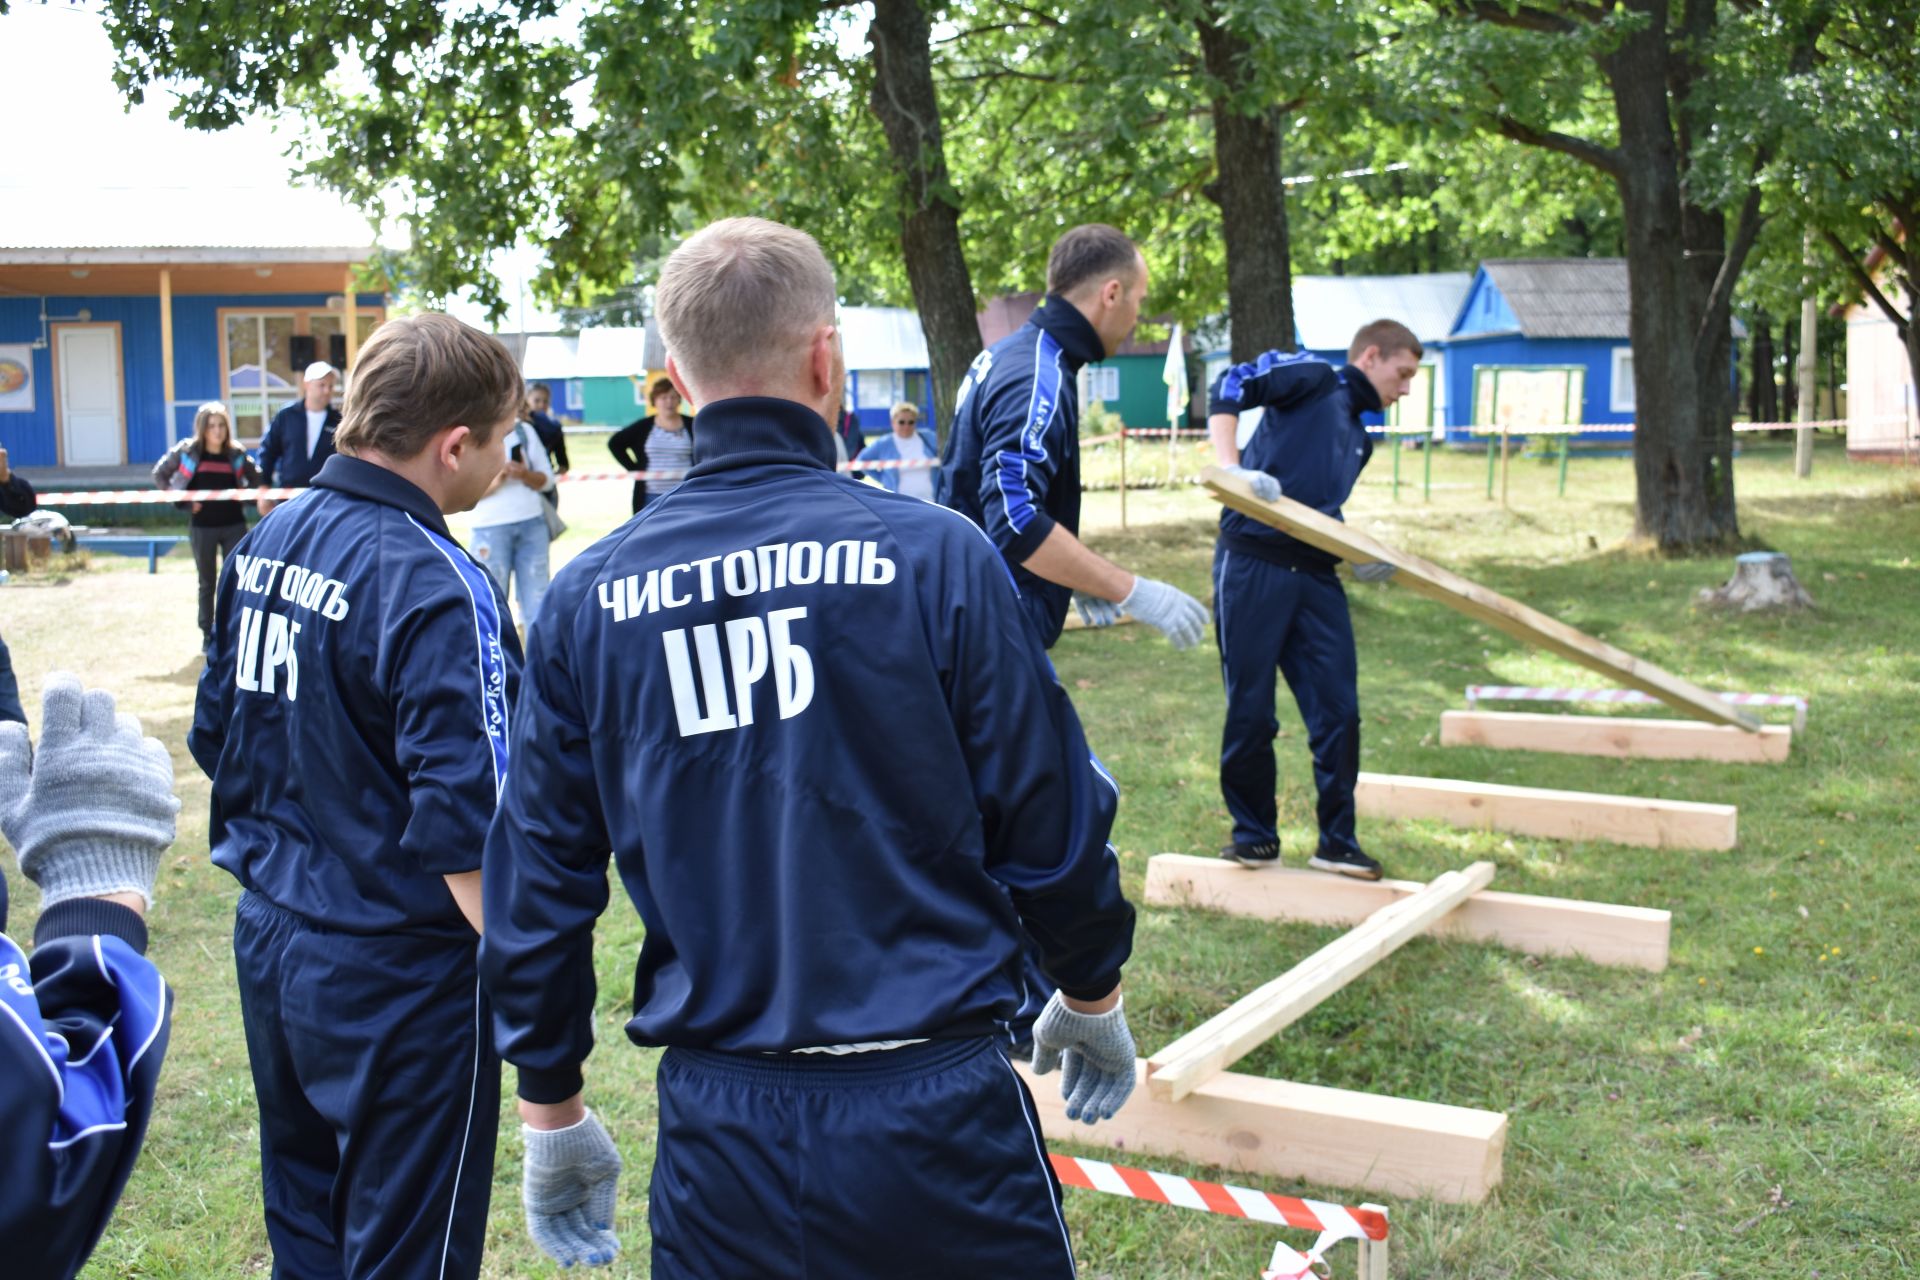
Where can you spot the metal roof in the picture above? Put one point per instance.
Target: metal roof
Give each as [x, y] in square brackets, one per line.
[549, 355]
[95, 223]
[1564, 297]
[1329, 310]
[882, 338]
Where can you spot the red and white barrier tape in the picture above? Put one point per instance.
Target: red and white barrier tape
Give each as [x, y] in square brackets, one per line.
[112, 497]
[1334, 1222]
[1523, 693]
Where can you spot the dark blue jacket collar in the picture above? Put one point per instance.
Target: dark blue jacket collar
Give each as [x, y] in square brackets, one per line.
[1073, 331]
[757, 430]
[375, 483]
[1360, 390]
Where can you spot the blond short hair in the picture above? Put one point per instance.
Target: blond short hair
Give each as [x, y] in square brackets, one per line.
[740, 298]
[421, 373]
[908, 406]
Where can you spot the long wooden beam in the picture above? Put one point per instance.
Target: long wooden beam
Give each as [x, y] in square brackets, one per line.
[1300, 1133]
[1631, 937]
[1557, 815]
[1618, 736]
[1264, 1012]
[1482, 604]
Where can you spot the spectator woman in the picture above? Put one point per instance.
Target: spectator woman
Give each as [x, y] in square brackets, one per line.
[909, 442]
[661, 441]
[206, 461]
[510, 531]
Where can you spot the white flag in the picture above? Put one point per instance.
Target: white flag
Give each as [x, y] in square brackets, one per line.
[1175, 376]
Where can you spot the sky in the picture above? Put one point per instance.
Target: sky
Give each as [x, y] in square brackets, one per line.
[69, 125]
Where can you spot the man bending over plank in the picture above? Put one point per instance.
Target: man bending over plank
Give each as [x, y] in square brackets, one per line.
[1277, 602]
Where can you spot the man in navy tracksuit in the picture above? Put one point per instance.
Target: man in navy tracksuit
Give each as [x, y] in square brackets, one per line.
[831, 957]
[1277, 601]
[1012, 462]
[84, 1025]
[300, 439]
[354, 717]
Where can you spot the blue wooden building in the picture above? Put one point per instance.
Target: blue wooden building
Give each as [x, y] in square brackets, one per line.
[1540, 340]
[115, 324]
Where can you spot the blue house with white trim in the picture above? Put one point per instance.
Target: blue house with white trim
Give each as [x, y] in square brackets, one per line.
[1545, 337]
[118, 318]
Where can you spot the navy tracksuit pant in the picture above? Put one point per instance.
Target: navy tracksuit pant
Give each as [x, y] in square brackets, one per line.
[918, 1163]
[1270, 618]
[379, 1097]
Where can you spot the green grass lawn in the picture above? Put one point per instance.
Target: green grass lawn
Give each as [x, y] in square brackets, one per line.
[1752, 1112]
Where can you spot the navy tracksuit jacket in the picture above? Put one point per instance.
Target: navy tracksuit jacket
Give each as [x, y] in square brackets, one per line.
[284, 461]
[824, 854]
[354, 718]
[1277, 604]
[1012, 463]
[83, 1029]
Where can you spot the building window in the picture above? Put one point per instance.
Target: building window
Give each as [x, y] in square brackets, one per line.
[879, 388]
[258, 373]
[1620, 390]
[576, 395]
[1102, 383]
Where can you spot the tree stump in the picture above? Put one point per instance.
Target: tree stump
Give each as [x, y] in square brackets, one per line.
[1761, 581]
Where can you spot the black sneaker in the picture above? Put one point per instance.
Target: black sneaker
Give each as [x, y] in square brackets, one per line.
[1265, 854]
[1341, 862]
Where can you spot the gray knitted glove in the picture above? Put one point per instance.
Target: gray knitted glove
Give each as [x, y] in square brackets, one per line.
[1264, 486]
[92, 811]
[568, 1190]
[1098, 1051]
[1095, 612]
[1374, 571]
[1178, 615]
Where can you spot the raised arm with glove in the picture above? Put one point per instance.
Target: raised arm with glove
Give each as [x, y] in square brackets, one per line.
[89, 815]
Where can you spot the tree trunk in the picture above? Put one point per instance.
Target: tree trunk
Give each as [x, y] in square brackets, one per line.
[1763, 397]
[904, 101]
[1252, 197]
[1683, 435]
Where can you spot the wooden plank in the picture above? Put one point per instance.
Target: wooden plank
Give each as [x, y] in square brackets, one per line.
[1557, 815]
[1264, 1012]
[1299, 1133]
[1373, 1253]
[1482, 604]
[1631, 937]
[1619, 736]
[1073, 622]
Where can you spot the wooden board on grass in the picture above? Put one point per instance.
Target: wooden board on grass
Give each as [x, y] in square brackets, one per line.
[1557, 815]
[1482, 604]
[1622, 737]
[1247, 1023]
[1631, 937]
[1295, 1133]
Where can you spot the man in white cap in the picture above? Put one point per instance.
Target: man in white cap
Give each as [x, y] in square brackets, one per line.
[301, 436]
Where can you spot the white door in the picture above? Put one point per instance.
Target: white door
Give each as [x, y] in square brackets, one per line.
[93, 412]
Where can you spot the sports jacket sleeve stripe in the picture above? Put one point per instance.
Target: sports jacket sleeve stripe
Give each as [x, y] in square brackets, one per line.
[1020, 468]
[451, 716]
[83, 1030]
